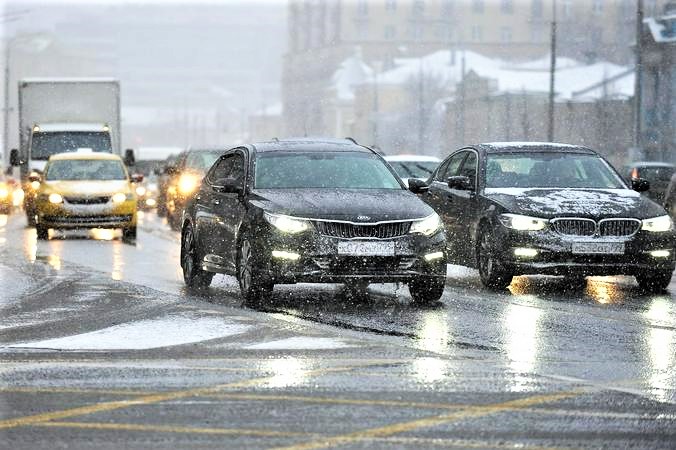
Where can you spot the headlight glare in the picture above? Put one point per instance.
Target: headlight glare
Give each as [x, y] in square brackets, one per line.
[427, 226]
[140, 191]
[119, 197]
[55, 198]
[287, 224]
[187, 184]
[658, 224]
[522, 223]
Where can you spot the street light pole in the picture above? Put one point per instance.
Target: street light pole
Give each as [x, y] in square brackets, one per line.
[552, 79]
[638, 76]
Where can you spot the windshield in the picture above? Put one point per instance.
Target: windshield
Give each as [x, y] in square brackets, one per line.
[330, 170]
[85, 169]
[414, 169]
[202, 161]
[46, 144]
[550, 170]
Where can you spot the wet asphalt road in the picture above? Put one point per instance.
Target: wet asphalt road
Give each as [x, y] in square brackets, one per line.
[101, 346]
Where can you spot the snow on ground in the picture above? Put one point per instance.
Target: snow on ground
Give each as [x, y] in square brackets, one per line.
[301, 343]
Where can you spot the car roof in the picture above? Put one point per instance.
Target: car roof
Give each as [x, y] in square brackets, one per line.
[526, 147]
[85, 155]
[411, 157]
[310, 145]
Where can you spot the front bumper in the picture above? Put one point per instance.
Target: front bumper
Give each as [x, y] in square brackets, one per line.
[108, 215]
[555, 253]
[320, 262]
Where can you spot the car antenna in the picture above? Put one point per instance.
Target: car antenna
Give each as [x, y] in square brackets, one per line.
[275, 139]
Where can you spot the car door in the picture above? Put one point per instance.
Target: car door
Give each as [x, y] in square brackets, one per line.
[229, 207]
[440, 197]
[464, 209]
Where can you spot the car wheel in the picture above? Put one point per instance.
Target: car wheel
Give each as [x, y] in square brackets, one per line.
[654, 281]
[129, 234]
[43, 232]
[254, 286]
[493, 275]
[426, 291]
[30, 218]
[193, 275]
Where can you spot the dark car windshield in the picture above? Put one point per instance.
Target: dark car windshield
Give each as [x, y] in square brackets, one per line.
[414, 169]
[46, 144]
[85, 169]
[201, 161]
[550, 170]
[325, 170]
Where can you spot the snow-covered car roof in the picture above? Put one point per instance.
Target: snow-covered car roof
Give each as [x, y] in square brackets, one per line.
[411, 157]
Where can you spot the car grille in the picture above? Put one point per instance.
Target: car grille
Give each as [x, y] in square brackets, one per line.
[619, 227]
[87, 200]
[346, 265]
[589, 227]
[352, 231]
[87, 220]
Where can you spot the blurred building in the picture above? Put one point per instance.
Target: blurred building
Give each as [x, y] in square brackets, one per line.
[658, 107]
[324, 33]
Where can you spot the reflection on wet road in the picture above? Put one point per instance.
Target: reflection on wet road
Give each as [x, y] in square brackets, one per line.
[605, 331]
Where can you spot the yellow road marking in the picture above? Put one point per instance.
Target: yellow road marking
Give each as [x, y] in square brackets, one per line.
[462, 443]
[402, 427]
[338, 401]
[171, 429]
[154, 398]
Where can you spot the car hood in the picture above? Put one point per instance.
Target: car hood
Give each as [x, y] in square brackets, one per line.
[343, 204]
[594, 203]
[86, 188]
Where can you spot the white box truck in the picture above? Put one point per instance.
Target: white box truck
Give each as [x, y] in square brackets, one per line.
[58, 115]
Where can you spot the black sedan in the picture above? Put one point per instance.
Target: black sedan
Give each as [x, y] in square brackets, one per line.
[539, 208]
[310, 211]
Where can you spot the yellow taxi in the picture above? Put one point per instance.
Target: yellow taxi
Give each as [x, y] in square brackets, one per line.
[85, 189]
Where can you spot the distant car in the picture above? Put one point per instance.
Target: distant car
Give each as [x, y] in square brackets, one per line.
[165, 172]
[86, 190]
[413, 166]
[7, 189]
[184, 179]
[146, 193]
[657, 173]
[310, 211]
[539, 208]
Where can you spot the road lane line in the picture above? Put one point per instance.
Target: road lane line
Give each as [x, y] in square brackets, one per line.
[461, 443]
[339, 401]
[157, 398]
[173, 429]
[36, 390]
[402, 427]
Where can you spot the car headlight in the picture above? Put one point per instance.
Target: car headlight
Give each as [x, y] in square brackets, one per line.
[287, 224]
[522, 223]
[119, 197]
[4, 192]
[140, 191]
[427, 226]
[187, 184]
[658, 224]
[55, 198]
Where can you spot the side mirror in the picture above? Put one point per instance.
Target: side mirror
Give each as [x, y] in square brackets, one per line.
[14, 159]
[417, 186]
[136, 177]
[34, 177]
[129, 159]
[461, 183]
[640, 184]
[228, 186]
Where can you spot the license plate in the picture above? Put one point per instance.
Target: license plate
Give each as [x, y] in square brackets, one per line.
[358, 248]
[598, 248]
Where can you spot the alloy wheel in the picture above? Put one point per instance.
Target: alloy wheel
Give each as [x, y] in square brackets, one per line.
[245, 266]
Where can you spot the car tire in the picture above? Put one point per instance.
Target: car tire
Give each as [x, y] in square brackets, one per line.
[193, 275]
[255, 287]
[30, 218]
[129, 234]
[654, 281]
[426, 291]
[493, 275]
[42, 232]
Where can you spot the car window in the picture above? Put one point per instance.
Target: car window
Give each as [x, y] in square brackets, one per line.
[550, 170]
[468, 168]
[201, 161]
[414, 169]
[451, 167]
[228, 168]
[324, 170]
